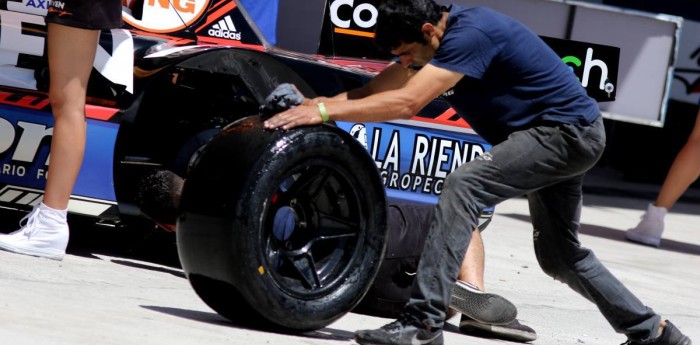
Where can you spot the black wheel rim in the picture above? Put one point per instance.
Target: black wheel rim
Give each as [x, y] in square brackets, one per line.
[313, 229]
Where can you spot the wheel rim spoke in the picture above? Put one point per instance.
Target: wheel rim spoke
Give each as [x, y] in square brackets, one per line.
[310, 255]
[306, 267]
[274, 255]
[311, 182]
[331, 227]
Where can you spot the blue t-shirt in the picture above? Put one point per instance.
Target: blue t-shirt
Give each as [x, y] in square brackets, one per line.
[512, 79]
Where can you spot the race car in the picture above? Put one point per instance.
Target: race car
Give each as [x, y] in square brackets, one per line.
[273, 227]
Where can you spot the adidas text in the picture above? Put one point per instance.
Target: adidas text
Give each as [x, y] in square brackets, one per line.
[225, 34]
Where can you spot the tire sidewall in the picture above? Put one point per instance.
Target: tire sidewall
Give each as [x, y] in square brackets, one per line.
[288, 152]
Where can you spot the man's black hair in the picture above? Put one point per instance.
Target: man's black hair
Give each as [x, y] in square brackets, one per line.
[400, 21]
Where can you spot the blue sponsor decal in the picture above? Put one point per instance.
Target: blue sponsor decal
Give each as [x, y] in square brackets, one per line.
[96, 178]
[43, 4]
[414, 161]
[25, 139]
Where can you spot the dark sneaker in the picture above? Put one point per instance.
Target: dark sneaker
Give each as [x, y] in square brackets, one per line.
[404, 331]
[513, 331]
[481, 306]
[670, 336]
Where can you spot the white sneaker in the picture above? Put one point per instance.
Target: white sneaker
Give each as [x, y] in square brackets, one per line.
[649, 229]
[44, 234]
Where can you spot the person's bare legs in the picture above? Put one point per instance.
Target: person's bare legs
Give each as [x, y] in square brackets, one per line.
[468, 296]
[472, 272]
[44, 231]
[472, 269]
[683, 172]
[71, 54]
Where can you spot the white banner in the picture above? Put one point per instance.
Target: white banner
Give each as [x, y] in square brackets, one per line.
[686, 79]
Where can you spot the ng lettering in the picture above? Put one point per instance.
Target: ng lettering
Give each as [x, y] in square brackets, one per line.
[187, 7]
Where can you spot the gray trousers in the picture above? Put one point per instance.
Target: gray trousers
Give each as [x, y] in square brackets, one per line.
[546, 163]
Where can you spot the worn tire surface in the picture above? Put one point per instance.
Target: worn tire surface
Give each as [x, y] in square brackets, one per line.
[290, 225]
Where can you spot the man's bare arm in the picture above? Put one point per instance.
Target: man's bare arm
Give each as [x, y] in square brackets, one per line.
[392, 103]
[392, 77]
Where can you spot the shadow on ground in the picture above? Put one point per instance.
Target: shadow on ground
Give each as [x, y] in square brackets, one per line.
[216, 319]
[173, 271]
[139, 241]
[608, 187]
[619, 235]
[686, 205]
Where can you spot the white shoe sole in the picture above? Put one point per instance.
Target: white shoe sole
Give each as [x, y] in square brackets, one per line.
[44, 253]
[643, 239]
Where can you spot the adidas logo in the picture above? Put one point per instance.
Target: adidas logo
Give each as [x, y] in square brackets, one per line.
[225, 29]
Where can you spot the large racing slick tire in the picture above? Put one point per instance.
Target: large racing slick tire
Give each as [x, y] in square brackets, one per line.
[282, 228]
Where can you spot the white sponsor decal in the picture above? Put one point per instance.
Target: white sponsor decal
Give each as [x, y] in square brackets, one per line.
[31, 6]
[431, 159]
[116, 64]
[118, 67]
[686, 79]
[31, 197]
[31, 136]
[225, 29]
[169, 51]
[357, 14]
[13, 43]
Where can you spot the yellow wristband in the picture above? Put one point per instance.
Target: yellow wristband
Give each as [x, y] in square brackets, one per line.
[323, 111]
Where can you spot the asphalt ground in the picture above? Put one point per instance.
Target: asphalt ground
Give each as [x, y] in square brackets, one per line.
[126, 287]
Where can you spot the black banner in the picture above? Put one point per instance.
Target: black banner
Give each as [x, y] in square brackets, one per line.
[595, 65]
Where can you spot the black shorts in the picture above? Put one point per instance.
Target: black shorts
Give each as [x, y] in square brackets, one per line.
[86, 14]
